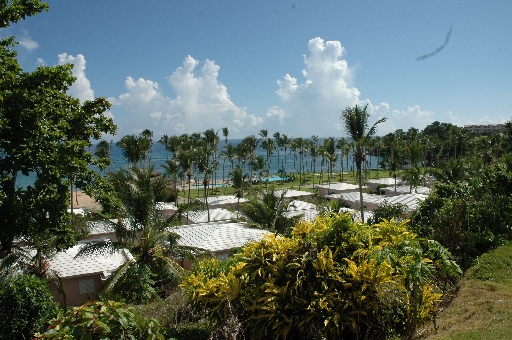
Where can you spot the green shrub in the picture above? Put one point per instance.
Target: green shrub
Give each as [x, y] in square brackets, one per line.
[332, 278]
[26, 306]
[103, 320]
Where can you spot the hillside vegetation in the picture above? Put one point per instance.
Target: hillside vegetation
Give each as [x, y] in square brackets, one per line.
[482, 308]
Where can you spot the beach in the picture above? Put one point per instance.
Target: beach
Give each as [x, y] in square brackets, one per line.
[84, 201]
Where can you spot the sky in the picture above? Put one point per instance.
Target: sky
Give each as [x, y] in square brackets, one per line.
[175, 66]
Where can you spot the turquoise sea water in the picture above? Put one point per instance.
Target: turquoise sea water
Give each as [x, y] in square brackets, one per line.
[288, 162]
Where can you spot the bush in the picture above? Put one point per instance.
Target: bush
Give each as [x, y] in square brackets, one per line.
[388, 211]
[332, 278]
[26, 306]
[103, 320]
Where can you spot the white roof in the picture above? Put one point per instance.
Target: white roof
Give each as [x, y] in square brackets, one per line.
[354, 197]
[217, 237]
[165, 206]
[308, 215]
[385, 181]
[77, 211]
[405, 189]
[301, 205]
[410, 200]
[101, 227]
[294, 193]
[68, 266]
[220, 200]
[339, 186]
[219, 214]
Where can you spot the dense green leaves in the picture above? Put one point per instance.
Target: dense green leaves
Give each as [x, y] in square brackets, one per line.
[26, 306]
[102, 320]
[332, 278]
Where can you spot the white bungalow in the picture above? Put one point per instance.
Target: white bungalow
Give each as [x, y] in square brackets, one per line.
[168, 209]
[223, 201]
[201, 216]
[297, 194]
[336, 188]
[388, 182]
[217, 237]
[82, 277]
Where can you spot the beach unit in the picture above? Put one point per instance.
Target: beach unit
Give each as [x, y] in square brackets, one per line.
[82, 277]
[336, 188]
[217, 237]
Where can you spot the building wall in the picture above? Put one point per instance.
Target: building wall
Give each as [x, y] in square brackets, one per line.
[79, 289]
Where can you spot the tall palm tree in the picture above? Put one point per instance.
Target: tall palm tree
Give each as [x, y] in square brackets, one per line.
[330, 153]
[313, 152]
[130, 148]
[102, 151]
[355, 120]
[165, 140]
[142, 230]
[225, 133]
[230, 153]
[340, 145]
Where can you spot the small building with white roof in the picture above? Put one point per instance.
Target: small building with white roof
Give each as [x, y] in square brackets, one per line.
[167, 209]
[405, 189]
[336, 188]
[218, 237]
[308, 210]
[297, 194]
[201, 216]
[223, 201]
[387, 181]
[82, 277]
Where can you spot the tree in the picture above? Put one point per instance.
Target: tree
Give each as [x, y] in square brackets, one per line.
[26, 306]
[355, 120]
[44, 134]
[141, 229]
[103, 153]
[266, 209]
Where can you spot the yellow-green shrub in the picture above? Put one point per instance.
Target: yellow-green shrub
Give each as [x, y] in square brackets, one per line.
[331, 278]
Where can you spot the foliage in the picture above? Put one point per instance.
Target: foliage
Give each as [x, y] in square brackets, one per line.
[102, 320]
[332, 278]
[388, 211]
[141, 229]
[44, 133]
[356, 123]
[469, 218]
[26, 305]
[266, 209]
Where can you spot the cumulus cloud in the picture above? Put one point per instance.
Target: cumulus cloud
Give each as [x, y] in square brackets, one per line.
[202, 102]
[40, 62]
[313, 105]
[28, 43]
[81, 88]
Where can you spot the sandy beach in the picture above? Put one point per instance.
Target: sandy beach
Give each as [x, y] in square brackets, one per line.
[82, 200]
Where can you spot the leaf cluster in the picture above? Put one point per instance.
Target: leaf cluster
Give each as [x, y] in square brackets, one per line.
[332, 278]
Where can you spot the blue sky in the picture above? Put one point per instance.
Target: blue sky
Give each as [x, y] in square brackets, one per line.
[290, 66]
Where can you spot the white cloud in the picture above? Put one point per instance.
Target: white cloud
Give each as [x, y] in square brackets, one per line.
[314, 106]
[277, 113]
[81, 88]
[40, 62]
[28, 43]
[202, 102]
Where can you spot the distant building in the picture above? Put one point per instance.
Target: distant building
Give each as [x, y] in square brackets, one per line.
[485, 128]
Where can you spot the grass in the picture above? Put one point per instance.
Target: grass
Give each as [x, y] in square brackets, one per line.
[305, 185]
[482, 308]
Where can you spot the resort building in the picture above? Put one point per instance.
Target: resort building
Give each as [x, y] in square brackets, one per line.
[485, 128]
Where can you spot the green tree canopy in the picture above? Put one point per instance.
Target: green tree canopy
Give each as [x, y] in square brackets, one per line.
[44, 133]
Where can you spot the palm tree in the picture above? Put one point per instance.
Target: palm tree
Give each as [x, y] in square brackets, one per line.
[267, 210]
[225, 133]
[130, 147]
[355, 120]
[313, 151]
[165, 140]
[141, 229]
[230, 153]
[103, 152]
[330, 153]
[340, 145]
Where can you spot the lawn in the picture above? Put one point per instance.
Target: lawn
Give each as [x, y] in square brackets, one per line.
[482, 307]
